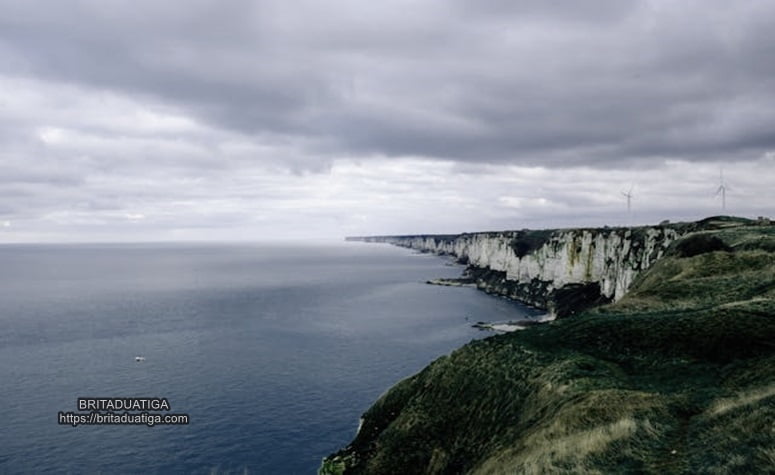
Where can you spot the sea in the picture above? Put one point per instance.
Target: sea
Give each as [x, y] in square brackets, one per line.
[272, 351]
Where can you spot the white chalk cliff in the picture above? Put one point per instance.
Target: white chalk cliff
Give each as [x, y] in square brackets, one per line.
[530, 265]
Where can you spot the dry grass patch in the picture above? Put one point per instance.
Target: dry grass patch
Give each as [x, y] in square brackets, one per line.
[746, 398]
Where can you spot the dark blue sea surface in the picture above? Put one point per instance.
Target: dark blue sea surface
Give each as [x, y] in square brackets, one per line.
[273, 351]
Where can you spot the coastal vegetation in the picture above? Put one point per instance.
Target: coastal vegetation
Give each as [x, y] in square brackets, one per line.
[678, 376]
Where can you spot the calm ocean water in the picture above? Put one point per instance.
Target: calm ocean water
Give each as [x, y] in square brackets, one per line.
[273, 351]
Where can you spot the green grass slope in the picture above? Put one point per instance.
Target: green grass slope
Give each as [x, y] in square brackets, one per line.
[677, 377]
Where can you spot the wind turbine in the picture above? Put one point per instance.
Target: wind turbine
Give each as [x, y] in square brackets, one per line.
[722, 188]
[629, 198]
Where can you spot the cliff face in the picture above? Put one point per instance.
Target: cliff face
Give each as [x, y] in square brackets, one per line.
[678, 376]
[536, 266]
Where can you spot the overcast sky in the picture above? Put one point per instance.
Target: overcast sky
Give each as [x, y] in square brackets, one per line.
[243, 120]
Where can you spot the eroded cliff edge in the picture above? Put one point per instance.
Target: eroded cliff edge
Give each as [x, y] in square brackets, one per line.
[677, 376]
[563, 270]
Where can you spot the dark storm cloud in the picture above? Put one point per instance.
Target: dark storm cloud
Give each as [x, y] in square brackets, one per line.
[534, 82]
[528, 82]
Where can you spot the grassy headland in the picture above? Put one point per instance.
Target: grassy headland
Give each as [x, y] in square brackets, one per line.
[677, 377]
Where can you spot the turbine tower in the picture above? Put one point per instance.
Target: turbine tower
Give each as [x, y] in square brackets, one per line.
[629, 198]
[722, 189]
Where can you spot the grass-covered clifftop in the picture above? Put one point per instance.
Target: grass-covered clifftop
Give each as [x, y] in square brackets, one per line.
[677, 377]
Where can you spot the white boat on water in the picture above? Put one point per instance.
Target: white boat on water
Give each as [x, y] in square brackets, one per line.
[139, 358]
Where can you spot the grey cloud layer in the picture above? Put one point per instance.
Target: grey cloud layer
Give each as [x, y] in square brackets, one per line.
[205, 119]
[603, 83]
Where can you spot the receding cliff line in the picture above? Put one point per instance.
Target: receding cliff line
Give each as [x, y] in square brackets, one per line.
[563, 270]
